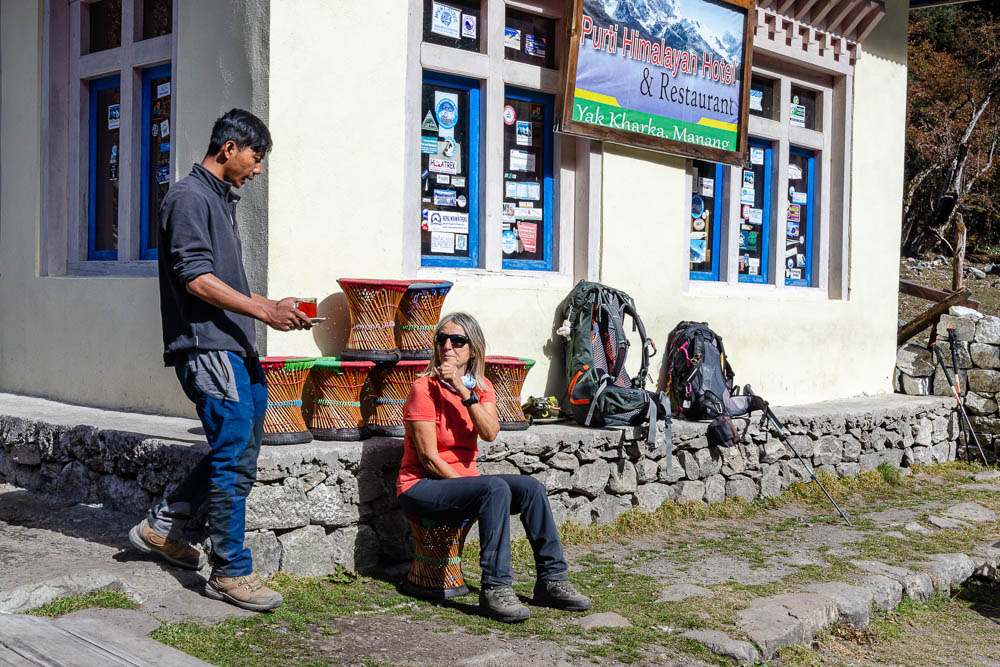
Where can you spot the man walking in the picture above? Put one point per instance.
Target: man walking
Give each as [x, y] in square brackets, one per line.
[208, 314]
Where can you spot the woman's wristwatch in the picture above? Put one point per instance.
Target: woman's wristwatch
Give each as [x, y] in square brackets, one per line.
[471, 400]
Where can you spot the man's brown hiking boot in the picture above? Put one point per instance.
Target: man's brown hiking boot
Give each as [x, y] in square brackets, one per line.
[145, 539]
[560, 595]
[501, 603]
[248, 592]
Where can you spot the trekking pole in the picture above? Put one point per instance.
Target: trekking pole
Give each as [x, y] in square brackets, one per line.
[958, 399]
[953, 344]
[779, 427]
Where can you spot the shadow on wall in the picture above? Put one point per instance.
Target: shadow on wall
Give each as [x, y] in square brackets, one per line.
[555, 352]
[331, 336]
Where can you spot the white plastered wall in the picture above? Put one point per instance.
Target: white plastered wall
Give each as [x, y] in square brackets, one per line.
[96, 340]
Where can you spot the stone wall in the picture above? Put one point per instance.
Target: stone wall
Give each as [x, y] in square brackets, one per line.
[978, 356]
[318, 505]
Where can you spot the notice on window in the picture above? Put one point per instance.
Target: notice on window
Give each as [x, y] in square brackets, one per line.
[528, 191]
[794, 172]
[707, 187]
[522, 160]
[527, 232]
[756, 155]
[163, 90]
[114, 116]
[442, 165]
[747, 195]
[512, 38]
[445, 21]
[756, 100]
[522, 213]
[523, 133]
[448, 221]
[443, 242]
[469, 26]
[798, 115]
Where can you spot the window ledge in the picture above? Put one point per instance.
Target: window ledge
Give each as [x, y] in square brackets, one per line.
[135, 269]
[506, 279]
[718, 289]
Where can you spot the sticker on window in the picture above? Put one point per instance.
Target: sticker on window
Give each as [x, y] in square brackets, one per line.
[534, 46]
[756, 155]
[114, 117]
[468, 26]
[512, 38]
[523, 133]
[443, 242]
[445, 20]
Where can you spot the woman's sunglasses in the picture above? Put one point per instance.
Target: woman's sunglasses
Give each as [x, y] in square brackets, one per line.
[457, 340]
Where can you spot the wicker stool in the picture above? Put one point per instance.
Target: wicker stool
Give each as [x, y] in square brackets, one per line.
[337, 407]
[418, 317]
[507, 375]
[283, 420]
[436, 571]
[384, 396]
[373, 305]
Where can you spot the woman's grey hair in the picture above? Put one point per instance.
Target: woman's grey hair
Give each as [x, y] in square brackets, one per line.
[477, 358]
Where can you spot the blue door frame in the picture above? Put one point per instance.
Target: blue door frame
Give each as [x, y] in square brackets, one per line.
[720, 173]
[765, 228]
[810, 156]
[160, 71]
[472, 86]
[544, 264]
[93, 254]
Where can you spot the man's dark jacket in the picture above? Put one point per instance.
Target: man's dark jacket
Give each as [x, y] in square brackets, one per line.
[198, 235]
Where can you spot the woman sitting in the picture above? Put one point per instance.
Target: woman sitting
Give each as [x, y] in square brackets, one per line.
[450, 405]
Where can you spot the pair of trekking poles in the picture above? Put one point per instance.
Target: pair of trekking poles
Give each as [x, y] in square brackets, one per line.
[956, 392]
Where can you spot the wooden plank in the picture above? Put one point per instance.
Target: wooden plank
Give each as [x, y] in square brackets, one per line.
[930, 316]
[931, 294]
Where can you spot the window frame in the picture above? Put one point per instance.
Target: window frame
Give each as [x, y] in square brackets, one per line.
[148, 74]
[96, 86]
[811, 201]
[719, 204]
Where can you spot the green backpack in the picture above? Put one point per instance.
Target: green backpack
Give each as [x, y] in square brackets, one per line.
[599, 389]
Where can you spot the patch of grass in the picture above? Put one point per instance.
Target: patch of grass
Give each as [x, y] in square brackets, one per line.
[98, 599]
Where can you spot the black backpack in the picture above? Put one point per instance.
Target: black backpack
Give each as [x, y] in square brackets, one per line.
[700, 379]
[599, 389]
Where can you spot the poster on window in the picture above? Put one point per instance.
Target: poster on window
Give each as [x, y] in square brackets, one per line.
[670, 75]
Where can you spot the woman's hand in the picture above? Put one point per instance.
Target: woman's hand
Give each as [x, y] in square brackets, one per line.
[450, 374]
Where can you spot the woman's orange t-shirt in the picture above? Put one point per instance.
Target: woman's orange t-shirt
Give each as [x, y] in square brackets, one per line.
[457, 440]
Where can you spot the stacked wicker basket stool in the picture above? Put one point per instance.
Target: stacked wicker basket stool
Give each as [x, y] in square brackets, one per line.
[507, 375]
[436, 571]
[337, 406]
[283, 421]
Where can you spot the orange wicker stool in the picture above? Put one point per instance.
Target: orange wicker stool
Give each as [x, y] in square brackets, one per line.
[419, 312]
[436, 571]
[385, 395]
[507, 375]
[373, 305]
[283, 421]
[337, 406]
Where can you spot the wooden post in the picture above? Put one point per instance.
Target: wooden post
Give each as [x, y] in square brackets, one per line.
[958, 261]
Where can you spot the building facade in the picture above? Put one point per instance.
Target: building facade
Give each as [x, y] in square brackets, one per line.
[793, 260]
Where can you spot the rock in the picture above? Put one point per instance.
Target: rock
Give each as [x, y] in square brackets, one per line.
[564, 461]
[742, 487]
[732, 461]
[185, 605]
[985, 356]
[984, 381]
[646, 471]
[941, 452]
[979, 404]
[327, 507]
[689, 492]
[125, 621]
[923, 431]
[498, 468]
[715, 489]
[918, 586]
[887, 592]
[946, 524]
[355, 547]
[770, 482]
[829, 451]
[682, 592]
[851, 447]
[709, 461]
[915, 360]
[721, 644]
[973, 512]
[689, 461]
[591, 478]
[277, 506]
[554, 480]
[774, 451]
[669, 469]
[607, 619]
[949, 570]
[990, 425]
[785, 620]
[650, 496]
[306, 552]
[587, 454]
[917, 455]
[962, 354]
[74, 482]
[988, 330]
[870, 461]
[986, 476]
[853, 602]
[965, 328]
[965, 312]
[265, 550]
[940, 385]
[622, 478]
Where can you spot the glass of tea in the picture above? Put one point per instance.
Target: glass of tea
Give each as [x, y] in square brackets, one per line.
[307, 306]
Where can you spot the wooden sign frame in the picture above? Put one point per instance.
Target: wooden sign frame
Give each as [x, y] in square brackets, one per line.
[567, 125]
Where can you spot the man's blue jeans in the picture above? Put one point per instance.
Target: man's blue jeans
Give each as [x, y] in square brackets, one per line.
[231, 397]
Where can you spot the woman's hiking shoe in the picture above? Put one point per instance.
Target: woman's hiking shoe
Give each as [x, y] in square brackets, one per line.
[145, 539]
[561, 595]
[248, 592]
[501, 603]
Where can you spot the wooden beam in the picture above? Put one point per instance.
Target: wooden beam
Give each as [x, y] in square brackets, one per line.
[837, 18]
[822, 11]
[869, 23]
[852, 21]
[931, 294]
[931, 316]
[802, 8]
[785, 6]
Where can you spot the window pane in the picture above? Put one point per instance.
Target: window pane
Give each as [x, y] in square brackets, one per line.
[157, 18]
[803, 108]
[706, 206]
[105, 161]
[453, 23]
[762, 97]
[105, 25]
[527, 209]
[157, 166]
[448, 195]
[798, 231]
[755, 207]
[529, 38]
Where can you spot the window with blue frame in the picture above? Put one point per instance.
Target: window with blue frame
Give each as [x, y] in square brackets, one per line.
[706, 218]
[755, 214]
[449, 171]
[527, 186]
[799, 226]
[156, 140]
[105, 124]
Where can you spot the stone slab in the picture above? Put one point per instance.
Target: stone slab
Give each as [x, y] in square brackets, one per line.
[853, 602]
[973, 512]
[605, 619]
[721, 644]
[785, 620]
[126, 621]
[683, 592]
[946, 524]
[186, 604]
[914, 527]
[949, 570]
[886, 592]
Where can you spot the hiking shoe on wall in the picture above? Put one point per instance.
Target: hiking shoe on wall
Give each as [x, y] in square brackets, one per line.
[501, 603]
[561, 595]
[145, 539]
[248, 592]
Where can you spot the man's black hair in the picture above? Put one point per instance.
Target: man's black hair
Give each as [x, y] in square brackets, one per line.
[241, 127]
